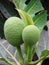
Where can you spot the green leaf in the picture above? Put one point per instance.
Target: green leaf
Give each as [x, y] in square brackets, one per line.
[25, 17]
[40, 20]
[45, 53]
[20, 4]
[33, 7]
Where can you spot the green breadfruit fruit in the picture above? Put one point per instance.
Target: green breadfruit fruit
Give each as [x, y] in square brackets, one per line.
[13, 30]
[30, 34]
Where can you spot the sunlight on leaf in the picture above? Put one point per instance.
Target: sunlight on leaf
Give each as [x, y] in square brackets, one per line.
[3, 53]
[10, 54]
[15, 53]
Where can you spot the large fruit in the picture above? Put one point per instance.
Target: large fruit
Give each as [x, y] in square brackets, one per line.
[30, 34]
[13, 30]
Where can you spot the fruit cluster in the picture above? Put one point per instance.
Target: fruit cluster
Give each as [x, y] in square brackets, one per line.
[16, 32]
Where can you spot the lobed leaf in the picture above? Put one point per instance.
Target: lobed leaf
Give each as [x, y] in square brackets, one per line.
[8, 52]
[40, 20]
[33, 7]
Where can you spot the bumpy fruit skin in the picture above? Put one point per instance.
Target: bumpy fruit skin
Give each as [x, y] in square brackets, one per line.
[30, 34]
[13, 30]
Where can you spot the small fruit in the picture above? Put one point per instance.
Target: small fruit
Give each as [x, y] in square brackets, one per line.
[13, 30]
[30, 34]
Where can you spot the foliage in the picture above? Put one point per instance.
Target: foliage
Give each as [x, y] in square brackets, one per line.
[32, 14]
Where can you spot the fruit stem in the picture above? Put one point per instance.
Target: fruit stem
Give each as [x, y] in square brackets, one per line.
[28, 51]
[29, 54]
[21, 59]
